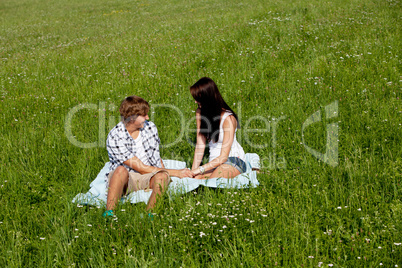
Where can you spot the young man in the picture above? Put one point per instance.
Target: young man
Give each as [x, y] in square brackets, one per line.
[135, 163]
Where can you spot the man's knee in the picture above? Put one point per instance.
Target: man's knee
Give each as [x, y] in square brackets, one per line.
[162, 179]
[120, 173]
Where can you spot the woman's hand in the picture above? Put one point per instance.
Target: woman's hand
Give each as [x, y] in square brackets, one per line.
[196, 171]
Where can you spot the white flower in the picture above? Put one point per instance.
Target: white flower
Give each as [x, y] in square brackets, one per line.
[396, 244]
[311, 257]
[330, 265]
[41, 238]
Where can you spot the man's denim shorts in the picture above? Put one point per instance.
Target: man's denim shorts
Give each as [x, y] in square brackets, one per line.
[236, 162]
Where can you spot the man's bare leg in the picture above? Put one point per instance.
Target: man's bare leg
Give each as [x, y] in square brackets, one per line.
[159, 184]
[117, 183]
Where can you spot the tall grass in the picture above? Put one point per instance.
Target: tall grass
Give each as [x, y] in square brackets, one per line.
[279, 61]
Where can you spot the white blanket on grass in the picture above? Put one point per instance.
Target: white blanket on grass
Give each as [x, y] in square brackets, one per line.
[97, 194]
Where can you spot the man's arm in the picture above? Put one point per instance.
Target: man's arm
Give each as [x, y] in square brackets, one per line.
[136, 164]
[162, 165]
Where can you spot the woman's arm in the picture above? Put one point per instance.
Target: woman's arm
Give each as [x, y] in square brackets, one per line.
[201, 142]
[229, 128]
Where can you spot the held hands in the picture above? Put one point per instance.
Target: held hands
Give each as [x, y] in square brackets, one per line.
[196, 171]
[185, 173]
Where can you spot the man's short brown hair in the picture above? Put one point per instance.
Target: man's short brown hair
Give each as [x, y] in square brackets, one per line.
[133, 105]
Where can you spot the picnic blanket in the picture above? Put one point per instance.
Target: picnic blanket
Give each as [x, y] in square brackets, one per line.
[97, 194]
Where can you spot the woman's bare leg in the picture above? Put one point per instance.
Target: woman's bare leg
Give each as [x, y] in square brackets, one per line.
[204, 176]
[225, 171]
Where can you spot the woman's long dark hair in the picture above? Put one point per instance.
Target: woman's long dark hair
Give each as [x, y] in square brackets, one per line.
[207, 94]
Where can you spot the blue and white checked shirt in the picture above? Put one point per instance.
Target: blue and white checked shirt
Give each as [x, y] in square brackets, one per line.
[121, 146]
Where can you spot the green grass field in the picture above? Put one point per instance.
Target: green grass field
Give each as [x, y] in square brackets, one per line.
[276, 64]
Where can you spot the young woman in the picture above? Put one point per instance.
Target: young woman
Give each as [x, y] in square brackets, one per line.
[217, 124]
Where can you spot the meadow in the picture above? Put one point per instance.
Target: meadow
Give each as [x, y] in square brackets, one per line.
[276, 64]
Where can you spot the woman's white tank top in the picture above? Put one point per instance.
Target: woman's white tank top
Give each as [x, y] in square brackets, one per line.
[215, 147]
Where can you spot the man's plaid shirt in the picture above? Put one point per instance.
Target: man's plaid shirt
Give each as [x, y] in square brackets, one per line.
[121, 146]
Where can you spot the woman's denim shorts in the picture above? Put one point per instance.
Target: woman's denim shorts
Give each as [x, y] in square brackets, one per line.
[236, 162]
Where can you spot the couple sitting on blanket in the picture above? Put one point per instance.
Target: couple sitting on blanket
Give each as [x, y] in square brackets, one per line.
[133, 147]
